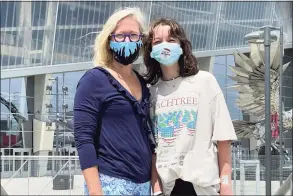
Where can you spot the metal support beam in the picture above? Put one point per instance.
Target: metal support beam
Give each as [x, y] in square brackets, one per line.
[84, 6]
[80, 66]
[212, 32]
[26, 23]
[49, 35]
[281, 105]
[39, 70]
[268, 132]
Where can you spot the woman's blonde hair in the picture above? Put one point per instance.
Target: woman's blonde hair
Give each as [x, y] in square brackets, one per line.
[102, 53]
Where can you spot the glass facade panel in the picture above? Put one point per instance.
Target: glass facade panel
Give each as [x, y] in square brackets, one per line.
[69, 28]
[14, 112]
[9, 14]
[220, 60]
[220, 69]
[287, 81]
[221, 72]
[244, 11]
[38, 12]
[71, 80]
[287, 85]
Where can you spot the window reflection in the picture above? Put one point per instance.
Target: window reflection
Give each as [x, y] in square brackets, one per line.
[71, 80]
[13, 112]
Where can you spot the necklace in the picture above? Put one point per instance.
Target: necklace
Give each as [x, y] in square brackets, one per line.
[173, 85]
[172, 78]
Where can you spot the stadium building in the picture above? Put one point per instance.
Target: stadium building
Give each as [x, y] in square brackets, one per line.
[47, 46]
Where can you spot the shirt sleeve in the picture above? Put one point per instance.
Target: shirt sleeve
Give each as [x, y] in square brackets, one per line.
[223, 129]
[87, 104]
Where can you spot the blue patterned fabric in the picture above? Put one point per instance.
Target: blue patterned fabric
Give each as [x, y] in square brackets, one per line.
[117, 186]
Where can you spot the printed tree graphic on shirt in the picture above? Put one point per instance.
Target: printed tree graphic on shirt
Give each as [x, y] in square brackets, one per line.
[176, 120]
[186, 117]
[169, 125]
[165, 125]
[193, 117]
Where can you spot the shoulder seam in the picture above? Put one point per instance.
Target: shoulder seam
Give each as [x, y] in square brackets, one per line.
[219, 93]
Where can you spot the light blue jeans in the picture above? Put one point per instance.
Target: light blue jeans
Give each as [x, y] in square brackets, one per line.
[117, 186]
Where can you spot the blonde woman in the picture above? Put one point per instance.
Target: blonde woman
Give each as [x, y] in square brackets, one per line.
[111, 108]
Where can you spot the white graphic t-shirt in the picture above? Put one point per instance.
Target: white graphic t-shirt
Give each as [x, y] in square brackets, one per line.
[189, 116]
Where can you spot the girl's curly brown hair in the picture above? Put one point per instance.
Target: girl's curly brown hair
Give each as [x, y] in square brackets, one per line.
[187, 62]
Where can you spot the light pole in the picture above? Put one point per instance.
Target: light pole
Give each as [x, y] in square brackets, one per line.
[57, 126]
[281, 103]
[266, 36]
[57, 111]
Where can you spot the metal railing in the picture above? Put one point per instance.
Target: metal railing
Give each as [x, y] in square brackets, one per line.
[61, 175]
[248, 172]
[53, 175]
[249, 163]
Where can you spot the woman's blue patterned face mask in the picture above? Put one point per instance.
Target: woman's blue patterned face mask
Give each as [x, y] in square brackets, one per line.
[166, 53]
[125, 52]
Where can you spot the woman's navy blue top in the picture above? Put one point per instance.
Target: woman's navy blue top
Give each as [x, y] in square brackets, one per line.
[111, 127]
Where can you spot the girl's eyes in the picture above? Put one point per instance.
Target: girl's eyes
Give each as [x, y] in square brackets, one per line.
[158, 42]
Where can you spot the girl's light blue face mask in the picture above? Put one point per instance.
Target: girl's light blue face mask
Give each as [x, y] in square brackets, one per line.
[166, 53]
